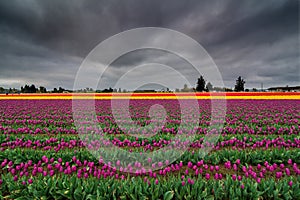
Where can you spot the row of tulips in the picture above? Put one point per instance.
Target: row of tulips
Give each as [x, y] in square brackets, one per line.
[279, 156]
[50, 166]
[54, 144]
[248, 139]
[71, 187]
[69, 129]
[234, 143]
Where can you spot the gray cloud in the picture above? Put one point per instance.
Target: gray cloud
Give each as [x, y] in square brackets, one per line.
[44, 42]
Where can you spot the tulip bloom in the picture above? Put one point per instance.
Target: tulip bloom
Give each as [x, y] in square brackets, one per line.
[234, 177]
[207, 176]
[182, 183]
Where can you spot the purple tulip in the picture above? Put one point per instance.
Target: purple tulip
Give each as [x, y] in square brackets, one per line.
[258, 166]
[45, 173]
[234, 177]
[207, 176]
[220, 176]
[160, 164]
[240, 177]
[216, 176]
[190, 181]
[287, 171]
[258, 180]
[278, 174]
[235, 167]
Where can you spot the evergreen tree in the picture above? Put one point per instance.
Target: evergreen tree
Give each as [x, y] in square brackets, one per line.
[200, 84]
[240, 83]
[209, 87]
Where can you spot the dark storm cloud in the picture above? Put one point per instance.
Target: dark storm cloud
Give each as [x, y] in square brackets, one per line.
[44, 42]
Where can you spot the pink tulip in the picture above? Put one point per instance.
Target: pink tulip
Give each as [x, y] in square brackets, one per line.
[200, 171]
[234, 177]
[235, 167]
[240, 177]
[258, 166]
[278, 174]
[190, 181]
[160, 164]
[200, 163]
[220, 176]
[258, 180]
[287, 171]
[216, 177]
[207, 176]
[45, 173]
[180, 164]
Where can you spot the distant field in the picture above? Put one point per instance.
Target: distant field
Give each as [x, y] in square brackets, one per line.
[229, 95]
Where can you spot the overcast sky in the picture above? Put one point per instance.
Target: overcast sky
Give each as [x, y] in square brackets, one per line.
[44, 42]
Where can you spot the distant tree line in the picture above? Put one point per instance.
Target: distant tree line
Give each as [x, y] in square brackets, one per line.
[201, 86]
[33, 89]
[109, 90]
[29, 89]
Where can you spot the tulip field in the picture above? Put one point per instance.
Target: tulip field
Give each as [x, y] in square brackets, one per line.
[255, 156]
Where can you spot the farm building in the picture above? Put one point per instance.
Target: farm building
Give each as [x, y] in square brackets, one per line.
[285, 89]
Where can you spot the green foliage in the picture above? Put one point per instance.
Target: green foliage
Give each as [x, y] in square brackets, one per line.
[70, 187]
